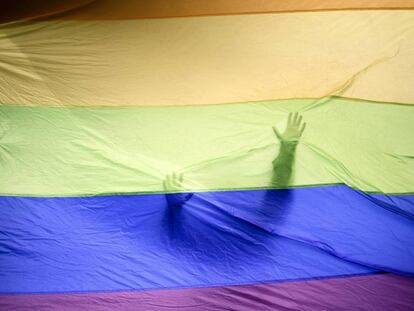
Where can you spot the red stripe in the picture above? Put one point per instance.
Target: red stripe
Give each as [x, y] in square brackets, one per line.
[134, 9]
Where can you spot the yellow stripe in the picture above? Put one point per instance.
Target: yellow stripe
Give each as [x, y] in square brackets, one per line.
[207, 60]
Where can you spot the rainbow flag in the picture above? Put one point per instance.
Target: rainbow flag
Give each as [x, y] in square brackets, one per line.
[207, 155]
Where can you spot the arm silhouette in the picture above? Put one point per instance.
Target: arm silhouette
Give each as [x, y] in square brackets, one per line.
[283, 164]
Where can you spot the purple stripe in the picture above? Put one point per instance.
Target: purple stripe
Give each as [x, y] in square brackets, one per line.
[374, 292]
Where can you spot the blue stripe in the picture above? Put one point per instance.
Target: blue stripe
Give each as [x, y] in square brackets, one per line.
[135, 242]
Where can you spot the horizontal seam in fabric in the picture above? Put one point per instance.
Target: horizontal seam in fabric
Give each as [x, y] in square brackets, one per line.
[341, 276]
[50, 18]
[368, 101]
[193, 191]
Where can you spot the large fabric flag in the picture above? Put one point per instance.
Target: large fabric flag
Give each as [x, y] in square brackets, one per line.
[207, 155]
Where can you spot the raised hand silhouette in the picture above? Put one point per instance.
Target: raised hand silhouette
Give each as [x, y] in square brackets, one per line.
[173, 186]
[293, 131]
[289, 138]
[173, 182]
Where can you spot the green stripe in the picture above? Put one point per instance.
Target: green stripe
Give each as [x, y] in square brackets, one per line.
[52, 151]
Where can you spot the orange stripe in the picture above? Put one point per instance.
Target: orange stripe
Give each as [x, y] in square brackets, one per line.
[209, 60]
[134, 9]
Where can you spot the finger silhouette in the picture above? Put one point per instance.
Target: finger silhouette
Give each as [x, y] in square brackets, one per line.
[276, 132]
[302, 128]
[299, 121]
